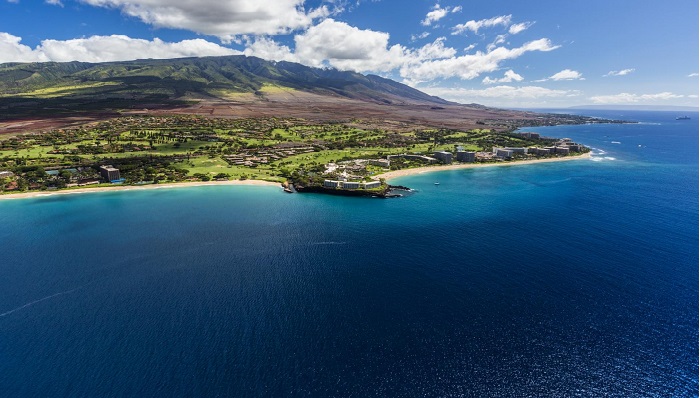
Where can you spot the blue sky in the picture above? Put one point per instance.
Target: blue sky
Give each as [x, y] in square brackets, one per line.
[499, 53]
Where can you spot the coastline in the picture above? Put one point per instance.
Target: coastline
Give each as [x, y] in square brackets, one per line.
[387, 176]
[35, 194]
[430, 169]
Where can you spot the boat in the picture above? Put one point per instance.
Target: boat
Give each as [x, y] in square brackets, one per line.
[437, 183]
[683, 118]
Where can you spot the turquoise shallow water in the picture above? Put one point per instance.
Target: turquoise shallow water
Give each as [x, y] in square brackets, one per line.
[562, 279]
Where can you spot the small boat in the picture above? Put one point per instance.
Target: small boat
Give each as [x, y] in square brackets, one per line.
[287, 190]
[437, 183]
[683, 118]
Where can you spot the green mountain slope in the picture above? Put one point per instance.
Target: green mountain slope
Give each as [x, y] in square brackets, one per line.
[179, 78]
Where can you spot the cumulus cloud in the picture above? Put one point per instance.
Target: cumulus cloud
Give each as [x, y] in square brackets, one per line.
[420, 36]
[566, 74]
[12, 50]
[267, 48]
[508, 77]
[475, 26]
[105, 48]
[435, 15]
[519, 27]
[347, 47]
[628, 98]
[224, 19]
[470, 66]
[622, 72]
[438, 13]
[55, 2]
[501, 95]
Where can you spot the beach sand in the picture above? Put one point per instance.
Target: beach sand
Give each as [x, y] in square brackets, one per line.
[429, 169]
[388, 176]
[35, 194]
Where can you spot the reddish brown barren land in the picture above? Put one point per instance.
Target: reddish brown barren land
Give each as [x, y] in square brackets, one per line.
[397, 116]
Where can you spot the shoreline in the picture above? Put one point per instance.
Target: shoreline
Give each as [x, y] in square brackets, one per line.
[35, 194]
[430, 169]
[387, 176]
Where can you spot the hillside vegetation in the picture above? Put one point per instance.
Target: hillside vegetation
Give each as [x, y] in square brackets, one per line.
[210, 76]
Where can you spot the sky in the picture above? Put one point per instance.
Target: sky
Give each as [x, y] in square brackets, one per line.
[507, 53]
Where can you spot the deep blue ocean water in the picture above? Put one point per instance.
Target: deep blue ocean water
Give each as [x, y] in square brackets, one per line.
[562, 279]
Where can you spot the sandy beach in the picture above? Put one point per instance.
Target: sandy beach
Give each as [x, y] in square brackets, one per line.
[429, 169]
[388, 176]
[35, 194]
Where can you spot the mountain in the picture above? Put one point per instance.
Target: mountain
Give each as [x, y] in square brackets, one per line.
[184, 78]
[36, 97]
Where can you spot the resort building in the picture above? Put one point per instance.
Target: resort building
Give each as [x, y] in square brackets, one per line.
[562, 150]
[517, 151]
[443, 156]
[503, 153]
[528, 134]
[380, 163]
[6, 174]
[330, 183]
[463, 156]
[351, 184]
[538, 151]
[421, 158]
[109, 173]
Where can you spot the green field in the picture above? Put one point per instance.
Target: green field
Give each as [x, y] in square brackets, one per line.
[173, 148]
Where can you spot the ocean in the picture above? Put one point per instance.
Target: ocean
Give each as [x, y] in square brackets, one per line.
[575, 278]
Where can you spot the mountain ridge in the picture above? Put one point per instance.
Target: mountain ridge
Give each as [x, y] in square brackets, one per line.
[174, 78]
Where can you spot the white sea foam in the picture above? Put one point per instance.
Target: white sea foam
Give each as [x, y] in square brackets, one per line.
[329, 243]
[615, 142]
[37, 301]
[609, 158]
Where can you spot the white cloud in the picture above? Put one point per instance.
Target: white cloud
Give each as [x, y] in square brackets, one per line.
[54, 2]
[105, 48]
[348, 48]
[693, 74]
[474, 26]
[519, 27]
[266, 48]
[500, 39]
[469, 66]
[435, 15]
[508, 77]
[502, 95]
[420, 36]
[11, 50]
[224, 19]
[438, 13]
[628, 98]
[622, 72]
[566, 74]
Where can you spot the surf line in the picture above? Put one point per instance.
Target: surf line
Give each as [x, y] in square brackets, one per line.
[39, 301]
